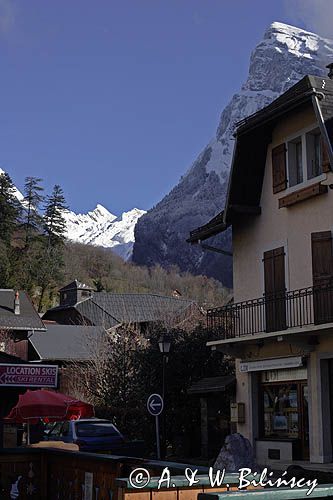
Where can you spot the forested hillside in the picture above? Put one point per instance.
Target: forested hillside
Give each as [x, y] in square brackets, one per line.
[35, 255]
[103, 269]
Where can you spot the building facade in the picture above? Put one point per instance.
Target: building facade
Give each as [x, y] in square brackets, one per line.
[280, 326]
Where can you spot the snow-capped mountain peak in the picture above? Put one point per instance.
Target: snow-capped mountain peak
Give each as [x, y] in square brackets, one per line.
[283, 56]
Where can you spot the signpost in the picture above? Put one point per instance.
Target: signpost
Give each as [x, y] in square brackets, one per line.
[155, 406]
[17, 375]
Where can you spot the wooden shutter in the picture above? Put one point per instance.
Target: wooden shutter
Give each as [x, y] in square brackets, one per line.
[325, 160]
[274, 271]
[279, 168]
[322, 257]
[275, 302]
[322, 271]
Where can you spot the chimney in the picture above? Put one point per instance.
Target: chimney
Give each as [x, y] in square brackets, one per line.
[330, 73]
[17, 303]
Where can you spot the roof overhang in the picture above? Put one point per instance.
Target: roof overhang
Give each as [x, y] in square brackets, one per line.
[212, 385]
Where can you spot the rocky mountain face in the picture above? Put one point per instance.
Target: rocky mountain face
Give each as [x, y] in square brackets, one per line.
[283, 57]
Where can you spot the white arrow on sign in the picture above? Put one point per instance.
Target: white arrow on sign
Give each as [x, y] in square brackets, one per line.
[155, 404]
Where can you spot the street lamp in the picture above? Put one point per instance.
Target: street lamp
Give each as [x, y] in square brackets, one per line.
[164, 345]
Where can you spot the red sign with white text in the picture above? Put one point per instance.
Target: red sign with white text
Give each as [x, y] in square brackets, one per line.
[12, 375]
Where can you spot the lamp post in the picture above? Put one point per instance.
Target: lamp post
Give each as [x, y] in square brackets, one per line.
[164, 345]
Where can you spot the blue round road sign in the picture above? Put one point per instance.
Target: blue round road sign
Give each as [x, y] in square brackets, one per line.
[155, 404]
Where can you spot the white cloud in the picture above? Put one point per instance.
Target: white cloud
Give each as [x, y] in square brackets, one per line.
[316, 15]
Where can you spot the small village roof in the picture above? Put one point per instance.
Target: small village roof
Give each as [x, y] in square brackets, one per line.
[28, 319]
[75, 285]
[253, 135]
[212, 384]
[112, 309]
[66, 342]
[140, 307]
[96, 314]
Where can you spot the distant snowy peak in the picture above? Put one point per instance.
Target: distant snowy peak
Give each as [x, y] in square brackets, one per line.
[17, 193]
[101, 228]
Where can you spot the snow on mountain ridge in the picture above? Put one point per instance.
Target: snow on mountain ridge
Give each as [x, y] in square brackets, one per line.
[100, 227]
[17, 192]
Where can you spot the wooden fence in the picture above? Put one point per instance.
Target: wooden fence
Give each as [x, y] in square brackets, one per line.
[39, 474]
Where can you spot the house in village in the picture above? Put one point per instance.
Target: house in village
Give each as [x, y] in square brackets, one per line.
[18, 321]
[81, 305]
[67, 347]
[280, 326]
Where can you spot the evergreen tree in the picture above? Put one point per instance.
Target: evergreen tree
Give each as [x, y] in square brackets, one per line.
[9, 208]
[32, 200]
[54, 220]
[51, 261]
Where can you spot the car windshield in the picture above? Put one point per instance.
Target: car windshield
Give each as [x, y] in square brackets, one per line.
[93, 429]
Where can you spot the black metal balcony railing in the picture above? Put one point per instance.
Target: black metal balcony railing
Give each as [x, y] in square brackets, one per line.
[274, 312]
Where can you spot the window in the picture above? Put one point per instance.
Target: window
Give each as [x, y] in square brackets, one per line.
[300, 159]
[313, 154]
[95, 429]
[281, 410]
[295, 161]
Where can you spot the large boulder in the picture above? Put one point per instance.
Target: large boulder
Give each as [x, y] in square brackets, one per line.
[237, 453]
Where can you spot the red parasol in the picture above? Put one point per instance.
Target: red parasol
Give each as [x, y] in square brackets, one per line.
[50, 405]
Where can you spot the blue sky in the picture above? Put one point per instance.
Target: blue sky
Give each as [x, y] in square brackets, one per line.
[114, 99]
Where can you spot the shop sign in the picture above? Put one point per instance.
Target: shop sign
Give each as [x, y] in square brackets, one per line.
[287, 374]
[271, 364]
[17, 375]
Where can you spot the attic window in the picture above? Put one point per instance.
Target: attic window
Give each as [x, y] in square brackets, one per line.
[295, 161]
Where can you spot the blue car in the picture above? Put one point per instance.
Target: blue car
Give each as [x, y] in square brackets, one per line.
[89, 434]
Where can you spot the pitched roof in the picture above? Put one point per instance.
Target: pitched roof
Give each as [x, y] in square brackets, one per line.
[66, 342]
[75, 285]
[28, 319]
[111, 309]
[140, 307]
[95, 313]
[253, 135]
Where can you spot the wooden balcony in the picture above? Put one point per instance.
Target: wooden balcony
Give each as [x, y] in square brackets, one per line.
[273, 313]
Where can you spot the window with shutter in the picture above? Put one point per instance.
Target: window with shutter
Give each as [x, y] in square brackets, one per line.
[322, 272]
[279, 168]
[275, 287]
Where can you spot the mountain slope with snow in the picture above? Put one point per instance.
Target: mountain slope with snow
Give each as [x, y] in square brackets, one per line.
[283, 57]
[16, 192]
[100, 227]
